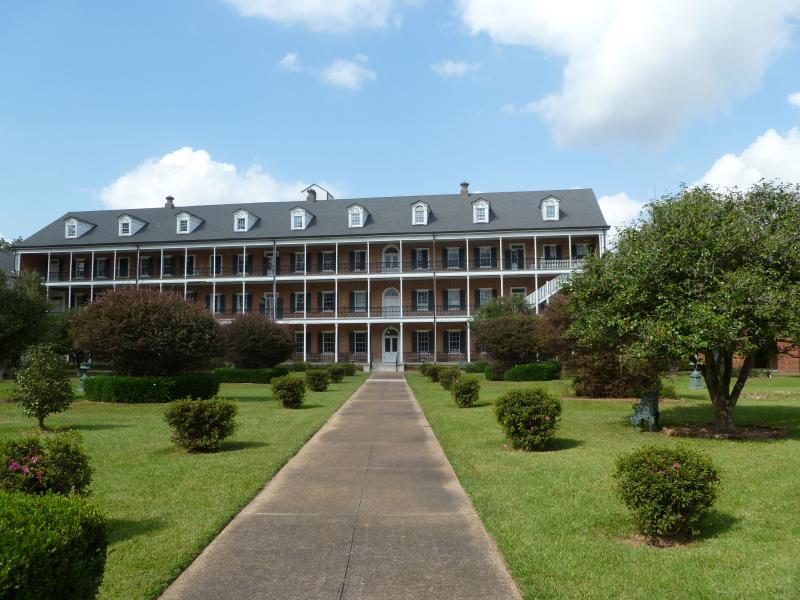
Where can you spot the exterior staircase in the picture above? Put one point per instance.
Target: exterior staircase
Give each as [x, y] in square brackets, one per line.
[548, 289]
[388, 366]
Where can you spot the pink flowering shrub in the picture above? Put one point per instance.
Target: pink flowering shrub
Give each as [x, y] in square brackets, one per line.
[668, 490]
[40, 464]
[529, 416]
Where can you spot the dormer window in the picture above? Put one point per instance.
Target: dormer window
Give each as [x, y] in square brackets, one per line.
[124, 227]
[419, 214]
[72, 229]
[480, 212]
[186, 223]
[241, 223]
[243, 220]
[550, 209]
[183, 225]
[299, 219]
[355, 216]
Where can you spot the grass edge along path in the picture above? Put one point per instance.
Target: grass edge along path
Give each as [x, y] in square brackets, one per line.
[166, 505]
[564, 534]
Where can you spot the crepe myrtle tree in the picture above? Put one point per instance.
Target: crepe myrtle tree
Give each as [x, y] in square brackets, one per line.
[707, 272]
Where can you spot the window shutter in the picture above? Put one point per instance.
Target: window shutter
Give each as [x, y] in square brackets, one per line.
[319, 342]
[444, 258]
[494, 257]
[430, 340]
[461, 258]
[276, 262]
[222, 303]
[352, 260]
[308, 265]
[477, 261]
[494, 293]
[477, 298]
[462, 348]
[292, 262]
[414, 302]
[308, 301]
[414, 258]
[507, 260]
[319, 262]
[248, 263]
[352, 301]
[248, 302]
[463, 296]
[235, 259]
[445, 346]
[414, 341]
[558, 252]
[352, 341]
[262, 305]
[308, 343]
[208, 301]
[444, 299]
[574, 250]
[279, 308]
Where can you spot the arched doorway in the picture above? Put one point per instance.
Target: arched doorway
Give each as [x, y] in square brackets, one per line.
[391, 303]
[391, 259]
[389, 345]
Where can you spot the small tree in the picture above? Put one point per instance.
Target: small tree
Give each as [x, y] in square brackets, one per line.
[510, 340]
[142, 331]
[42, 386]
[253, 341]
[23, 309]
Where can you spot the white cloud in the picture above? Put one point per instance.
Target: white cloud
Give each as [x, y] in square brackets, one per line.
[638, 71]
[349, 74]
[449, 69]
[323, 15]
[290, 62]
[193, 177]
[770, 156]
[794, 99]
[619, 210]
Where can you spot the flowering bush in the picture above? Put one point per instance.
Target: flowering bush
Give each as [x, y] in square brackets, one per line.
[668, 490]
[529, 417]
[466, 390]
[447, 376]
[318, 379]
[201, 424]
[289, 391]
[39, 464]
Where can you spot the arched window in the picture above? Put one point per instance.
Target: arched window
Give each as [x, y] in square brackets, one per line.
[419, 214]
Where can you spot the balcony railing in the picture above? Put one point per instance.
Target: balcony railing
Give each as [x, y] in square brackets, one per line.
[376, 312]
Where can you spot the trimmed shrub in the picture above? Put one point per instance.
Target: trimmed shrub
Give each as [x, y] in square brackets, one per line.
[423, 369]
[447, 376]
[226, 375]
[466, 390]
[349, 369]
[253, 341]
[537, 371]
[51, 546]
[201, 424]
[39, 464]
[336, 371]
[433, 372]
[477, 366]
[298, 366]
[42, 385]
[668, 490]
[150, 389]
[289, 391]
[318, 379]
[528, 416]
[493, 372]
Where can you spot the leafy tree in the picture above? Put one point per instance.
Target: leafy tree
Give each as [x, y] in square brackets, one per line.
[252, 341]
[56, 333]
[42, 386]
[142, 331]
[9, 245]
[708, 272]
[23, 309]
[502, 307]
[509, 340]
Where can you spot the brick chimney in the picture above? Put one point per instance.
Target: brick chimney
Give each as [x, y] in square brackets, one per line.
[170, 203]
[464, 189]
[311, 195]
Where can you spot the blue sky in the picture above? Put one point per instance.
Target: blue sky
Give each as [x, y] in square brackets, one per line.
[110, 104]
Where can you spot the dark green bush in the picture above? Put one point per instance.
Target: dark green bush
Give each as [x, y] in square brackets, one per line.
[447, 375]
[466, 390]
[668, 490]
[493, 373]
[254, 341]
[51, 546]
[336, 372]
[349, 369]
[537, 371]
[135, 390]
[424, 368]
[528, 416]
[201, 424]
[226, 375]
[298, 366]
[476, 366]
[289, 391]
[39, 464]
[318, 379]
[433, 372]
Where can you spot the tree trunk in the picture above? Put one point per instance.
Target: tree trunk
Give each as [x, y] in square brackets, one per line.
[723, 418]
[718, 372]
[41, 423]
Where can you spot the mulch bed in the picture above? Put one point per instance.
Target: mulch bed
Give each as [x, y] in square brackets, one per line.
[743, 432]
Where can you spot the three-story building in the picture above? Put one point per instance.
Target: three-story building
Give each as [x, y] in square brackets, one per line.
[387, 280]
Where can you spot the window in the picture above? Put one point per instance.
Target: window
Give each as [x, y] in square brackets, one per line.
[480, 212]
[190, 264]
[101, 268]
[299, 342]
[269, 263]
[360, 342]
[419, 214]
[551, 212]
[328, 301]
[169, 266]
[550, 209]
[551, 251]
[328, 261]
[359, 264]
[124, 227]
[299, 262]
[146, 266]
[485, 257]
[453, 258]
[391, 260]
[423, 342]
[298, 219]
[484, 296]
[299, 303]
[241, 223]
[297, 222]
[454, 342]
[242, 303]
[517, 256]
[217, 264]
[80, 268]
[421, 259]
[242, 264]
[518, 291]
[72, 229]
[183, 225]
[356, 216]
[582, 249]
[360, 301]
[124, 266]
[453, 299]
[423, 300]
[218, 303]
[328, 342]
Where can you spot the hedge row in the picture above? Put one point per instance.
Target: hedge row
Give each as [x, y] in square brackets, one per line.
[51, 546]
[537, 371]
[118, 388]
[249, 375]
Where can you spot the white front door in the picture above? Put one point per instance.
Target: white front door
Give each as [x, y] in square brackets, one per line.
[391, 303]
[389, 345]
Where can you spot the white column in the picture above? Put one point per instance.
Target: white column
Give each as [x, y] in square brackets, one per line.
[469, 345]
[468, 297]
[91, 287]
[185, 280]
[368, 257]
[400, 348]
[336, 343]
[274, 282]
[466, 254]
[161, 273]
[305, 283]
[435, 342]
[48, 268]
[138, 254]
[243, 267]
[600, 245]
[535, 253]
[569, 243]
[401, 266]
[305, 342]
[502, 268]
[213, 280]
[401, 294]
[369, 342]
[70, 266]
[535, 288]
[369, 297]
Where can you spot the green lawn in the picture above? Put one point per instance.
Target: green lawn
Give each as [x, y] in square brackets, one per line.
[166, 505]
[564, 534]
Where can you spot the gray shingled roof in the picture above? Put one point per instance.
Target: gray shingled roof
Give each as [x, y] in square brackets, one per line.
[390, 215]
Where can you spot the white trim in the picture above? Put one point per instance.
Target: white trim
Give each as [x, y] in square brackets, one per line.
[425, 213]
[477, 205]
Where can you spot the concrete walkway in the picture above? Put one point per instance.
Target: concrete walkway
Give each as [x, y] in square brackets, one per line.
[369, 508]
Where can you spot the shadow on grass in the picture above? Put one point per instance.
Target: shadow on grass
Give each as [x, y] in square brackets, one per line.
[306, 406]
[94, 426]
[240, 445]
[563, 444]
[120, 530]
[748, 414]
[716, 522]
